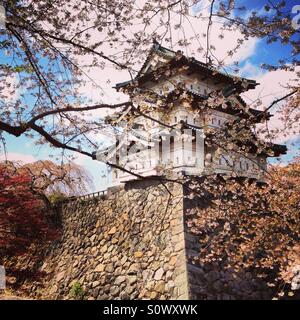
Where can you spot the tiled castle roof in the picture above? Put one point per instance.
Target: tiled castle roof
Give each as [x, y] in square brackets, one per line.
[196, 65]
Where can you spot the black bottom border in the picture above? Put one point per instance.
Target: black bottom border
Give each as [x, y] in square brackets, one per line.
[145, 309]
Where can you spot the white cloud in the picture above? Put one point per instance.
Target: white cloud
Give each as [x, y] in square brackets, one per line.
[230, 37]
[228, 42]
[19, 157]
[272, 85]
[250, 71]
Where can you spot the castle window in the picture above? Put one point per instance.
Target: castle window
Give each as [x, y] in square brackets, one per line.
[247, 166]
[192, 87]
[194, 120]
[212, 120]
[220, 161]
[219, 122]
[175, 119]
[172, 142]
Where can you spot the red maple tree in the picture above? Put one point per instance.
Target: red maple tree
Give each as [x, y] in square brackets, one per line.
[22, 217]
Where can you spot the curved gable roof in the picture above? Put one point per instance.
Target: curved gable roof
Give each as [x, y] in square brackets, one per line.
[177, 59]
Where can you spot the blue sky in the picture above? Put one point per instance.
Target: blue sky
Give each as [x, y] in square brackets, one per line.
[270, 53]
[25, 148]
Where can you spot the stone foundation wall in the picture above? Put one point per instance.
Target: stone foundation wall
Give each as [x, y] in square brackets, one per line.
[137, 244]
[128, 246]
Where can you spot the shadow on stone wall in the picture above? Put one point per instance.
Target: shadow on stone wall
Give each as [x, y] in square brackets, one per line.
[220, 278]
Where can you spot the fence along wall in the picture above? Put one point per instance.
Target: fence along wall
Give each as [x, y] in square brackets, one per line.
[127, 246]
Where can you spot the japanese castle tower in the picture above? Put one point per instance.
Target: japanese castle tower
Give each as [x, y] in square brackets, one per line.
[168, 127]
